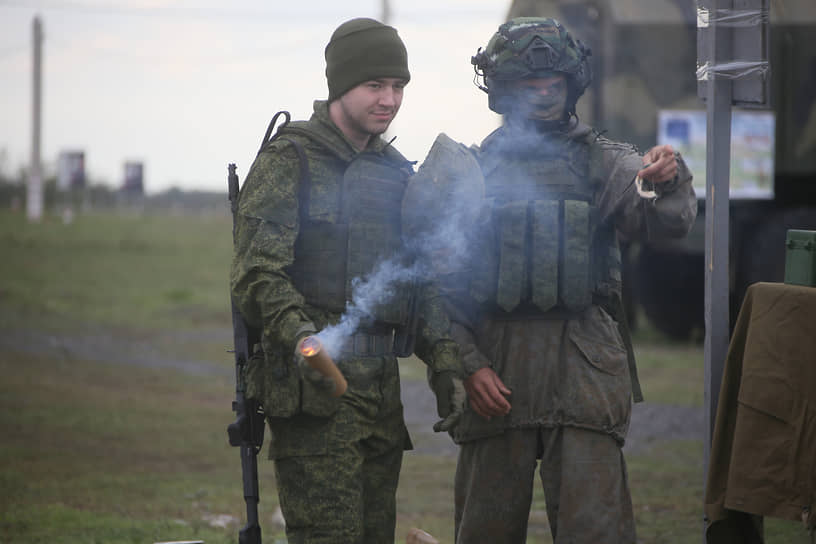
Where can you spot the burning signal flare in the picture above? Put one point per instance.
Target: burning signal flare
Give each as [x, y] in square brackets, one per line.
[316, 357]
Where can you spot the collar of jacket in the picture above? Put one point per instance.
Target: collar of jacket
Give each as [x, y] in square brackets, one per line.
[513, 141]
[334, 137]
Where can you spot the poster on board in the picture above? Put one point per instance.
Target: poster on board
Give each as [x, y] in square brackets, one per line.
[752, 148]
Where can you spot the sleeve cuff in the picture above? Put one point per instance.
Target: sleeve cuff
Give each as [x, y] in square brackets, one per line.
[291, 329]
[473, 359]
[445, 356]
[672, 185]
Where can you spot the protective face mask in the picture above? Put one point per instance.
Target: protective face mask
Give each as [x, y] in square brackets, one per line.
[544, 107]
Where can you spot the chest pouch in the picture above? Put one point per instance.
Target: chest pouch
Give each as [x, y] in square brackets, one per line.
[350, 225]
[542, 227]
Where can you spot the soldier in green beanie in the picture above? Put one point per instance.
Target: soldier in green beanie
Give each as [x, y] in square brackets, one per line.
[536, 305]
[318, 212]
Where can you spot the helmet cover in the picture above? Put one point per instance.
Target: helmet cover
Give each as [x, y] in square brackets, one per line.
[527, 47]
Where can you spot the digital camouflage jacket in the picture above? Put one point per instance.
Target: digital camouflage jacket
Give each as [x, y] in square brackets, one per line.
[270, 226]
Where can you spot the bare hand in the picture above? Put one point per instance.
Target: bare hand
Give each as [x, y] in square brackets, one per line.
[660, 165]
[486, 393]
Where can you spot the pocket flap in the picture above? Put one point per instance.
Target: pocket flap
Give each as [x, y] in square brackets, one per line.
[606, 357]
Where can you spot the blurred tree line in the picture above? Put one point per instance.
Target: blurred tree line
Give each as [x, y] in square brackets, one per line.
[98, 196]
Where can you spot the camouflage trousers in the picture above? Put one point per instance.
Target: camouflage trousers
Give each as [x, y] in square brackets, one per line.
[583, 474]
[340, 485]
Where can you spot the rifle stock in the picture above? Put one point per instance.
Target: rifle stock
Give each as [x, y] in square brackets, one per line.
[246, 432]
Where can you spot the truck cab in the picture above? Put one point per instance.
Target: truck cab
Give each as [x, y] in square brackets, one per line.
[644, 61]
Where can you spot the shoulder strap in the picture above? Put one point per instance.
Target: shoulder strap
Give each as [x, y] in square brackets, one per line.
[301, 128]
[305, 186]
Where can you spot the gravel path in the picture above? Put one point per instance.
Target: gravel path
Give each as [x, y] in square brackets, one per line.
[118, 348]
[650, 422]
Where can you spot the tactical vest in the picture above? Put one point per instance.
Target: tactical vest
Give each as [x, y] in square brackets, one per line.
[348, 225]
[543, 248]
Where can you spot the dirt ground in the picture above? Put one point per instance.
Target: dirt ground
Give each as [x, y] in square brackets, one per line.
[650, 423]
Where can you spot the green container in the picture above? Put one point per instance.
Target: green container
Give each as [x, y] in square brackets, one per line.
[800, 257]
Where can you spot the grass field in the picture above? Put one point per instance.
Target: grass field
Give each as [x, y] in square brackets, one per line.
[103, 442]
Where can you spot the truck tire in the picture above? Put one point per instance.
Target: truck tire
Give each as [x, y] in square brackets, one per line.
[669, 286]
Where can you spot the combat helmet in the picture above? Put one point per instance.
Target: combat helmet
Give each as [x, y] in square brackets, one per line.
[527, 46]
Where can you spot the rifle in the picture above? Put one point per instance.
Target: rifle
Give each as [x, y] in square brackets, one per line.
[247, 430]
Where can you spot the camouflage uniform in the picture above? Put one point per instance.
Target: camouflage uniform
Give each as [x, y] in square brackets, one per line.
[569, 368]
[538, 301]
[337, 460]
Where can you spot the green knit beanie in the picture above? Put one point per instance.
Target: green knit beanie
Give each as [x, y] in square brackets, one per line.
[360, 50]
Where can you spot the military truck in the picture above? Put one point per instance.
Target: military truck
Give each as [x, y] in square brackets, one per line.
[644, 60]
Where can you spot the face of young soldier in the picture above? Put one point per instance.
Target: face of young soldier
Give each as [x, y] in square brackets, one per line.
[368, 109]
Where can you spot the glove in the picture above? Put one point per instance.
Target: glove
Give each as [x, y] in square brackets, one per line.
[450, 399]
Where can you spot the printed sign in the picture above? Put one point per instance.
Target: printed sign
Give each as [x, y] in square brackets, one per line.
[134, 182]
[71, 170]
[752, 148]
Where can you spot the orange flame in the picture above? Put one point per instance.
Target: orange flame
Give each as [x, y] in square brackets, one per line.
[310, 346]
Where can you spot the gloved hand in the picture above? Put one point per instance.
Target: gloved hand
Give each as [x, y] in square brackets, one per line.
[320, 381]
[450, 399]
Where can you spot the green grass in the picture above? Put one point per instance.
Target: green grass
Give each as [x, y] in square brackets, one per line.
[142, 271]
[108, 452]
[425, 496]
[670, 372]
[94, 452]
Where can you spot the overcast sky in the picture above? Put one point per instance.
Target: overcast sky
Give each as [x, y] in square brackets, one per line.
[189, 86]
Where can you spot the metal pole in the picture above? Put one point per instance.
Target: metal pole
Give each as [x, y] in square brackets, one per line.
[34, 194]
[718, 163]
[385, 12]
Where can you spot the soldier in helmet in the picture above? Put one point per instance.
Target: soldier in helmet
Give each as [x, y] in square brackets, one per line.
[319, 209]
[549, 368]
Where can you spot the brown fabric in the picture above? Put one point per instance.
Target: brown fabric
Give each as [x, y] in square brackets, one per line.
[763, 454]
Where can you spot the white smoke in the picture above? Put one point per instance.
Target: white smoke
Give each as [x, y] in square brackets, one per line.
[368, 293]
[437, 251]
